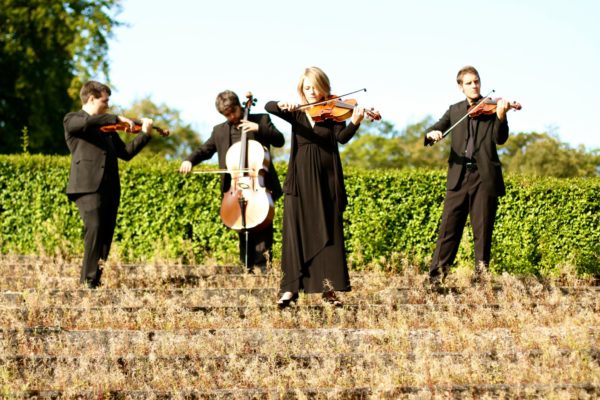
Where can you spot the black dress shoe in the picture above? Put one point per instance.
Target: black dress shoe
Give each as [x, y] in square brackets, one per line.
[262, 269]
[480, 273]
[436, 284]
[96, 282]
[287, 299]
[92, 283]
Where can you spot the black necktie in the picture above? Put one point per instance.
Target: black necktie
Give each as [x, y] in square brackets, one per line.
[471, 139]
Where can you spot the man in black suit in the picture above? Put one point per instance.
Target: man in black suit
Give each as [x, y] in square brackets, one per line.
[257, 127]
[94, 183]
[474, 176]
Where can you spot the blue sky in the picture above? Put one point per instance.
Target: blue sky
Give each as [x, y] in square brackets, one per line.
[543, 54]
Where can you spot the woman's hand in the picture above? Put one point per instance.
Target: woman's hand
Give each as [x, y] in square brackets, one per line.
[358, 114]
[284, 106]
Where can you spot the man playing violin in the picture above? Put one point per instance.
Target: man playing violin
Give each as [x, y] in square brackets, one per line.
[94, 183]
[257, 127]
[474, 180]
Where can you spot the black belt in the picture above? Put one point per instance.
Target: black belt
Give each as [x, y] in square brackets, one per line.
[470, 166]
[469, 163]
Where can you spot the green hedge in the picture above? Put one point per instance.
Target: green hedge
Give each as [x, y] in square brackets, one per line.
[542, 225]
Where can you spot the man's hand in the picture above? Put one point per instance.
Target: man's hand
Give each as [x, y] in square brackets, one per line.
[147, 126]
[248, 126]
[185, 167]
[501, 108]
[128, 121]
[436, 136]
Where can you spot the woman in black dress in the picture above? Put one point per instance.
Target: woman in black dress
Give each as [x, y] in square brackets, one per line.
[314, 258]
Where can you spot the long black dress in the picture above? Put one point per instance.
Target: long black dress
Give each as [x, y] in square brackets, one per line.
[314, 258]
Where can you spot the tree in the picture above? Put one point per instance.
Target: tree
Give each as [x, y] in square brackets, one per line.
[47, 50]
[542, 154]
[381, 145]
[374, 146]
[183, 139]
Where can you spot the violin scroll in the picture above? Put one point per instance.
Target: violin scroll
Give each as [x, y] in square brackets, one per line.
[373, 115]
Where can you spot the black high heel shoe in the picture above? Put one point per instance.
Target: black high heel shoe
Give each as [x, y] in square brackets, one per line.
[287, 299]
[331, 298]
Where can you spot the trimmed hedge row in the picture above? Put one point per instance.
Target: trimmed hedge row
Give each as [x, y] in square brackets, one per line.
[542, 225]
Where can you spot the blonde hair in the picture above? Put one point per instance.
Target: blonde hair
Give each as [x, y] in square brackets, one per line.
[319, 80]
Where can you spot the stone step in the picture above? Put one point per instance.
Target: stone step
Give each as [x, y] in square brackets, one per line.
[251, 285]
[24, 282]
[136, 297]
[269, 340]
[168, 330]
[226, 372]
[253, 313]
[63, 268]
[283, 360]
[11, 267]
[445, 391]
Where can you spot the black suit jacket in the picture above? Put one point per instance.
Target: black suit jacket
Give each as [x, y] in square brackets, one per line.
[94, 153]
[490, 132]
[220, 141]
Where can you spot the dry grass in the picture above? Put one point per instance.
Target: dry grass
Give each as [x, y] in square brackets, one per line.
[165, 329]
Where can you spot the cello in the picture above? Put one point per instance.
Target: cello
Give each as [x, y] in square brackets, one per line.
[247, 205]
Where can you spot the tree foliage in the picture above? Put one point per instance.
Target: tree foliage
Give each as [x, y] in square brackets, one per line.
[542, 154]
[381, 145]
[183, 139]
[47, 49]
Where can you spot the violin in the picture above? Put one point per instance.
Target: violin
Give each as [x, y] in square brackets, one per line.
[336, 109]
[488, 106]
[248, 204]
[137, 128]
[485, 106]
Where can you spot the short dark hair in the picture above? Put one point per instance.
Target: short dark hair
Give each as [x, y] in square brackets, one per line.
[93, 88]
[226, 101]
[467, 69]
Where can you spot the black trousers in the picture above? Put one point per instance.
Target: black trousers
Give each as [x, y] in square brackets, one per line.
[260, 244]
[99, 214]
[470, 199]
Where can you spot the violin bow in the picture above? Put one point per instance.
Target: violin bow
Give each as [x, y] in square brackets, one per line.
[316, 103]
[223, 171]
